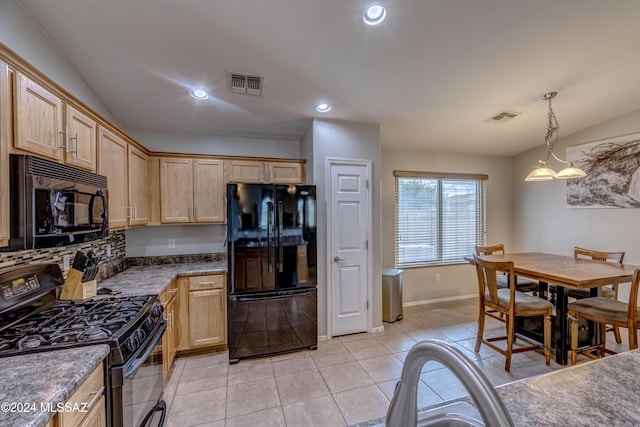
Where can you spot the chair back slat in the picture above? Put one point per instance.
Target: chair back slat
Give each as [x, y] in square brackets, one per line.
[601, 256]
[490, 250]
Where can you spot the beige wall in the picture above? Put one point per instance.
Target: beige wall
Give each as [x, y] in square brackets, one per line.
[344, 140]
[20, 34]
[419, 284]
[543, 222]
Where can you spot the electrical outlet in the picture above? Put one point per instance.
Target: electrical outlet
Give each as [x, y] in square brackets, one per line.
[437, 277]
[109, 250]
[172, 243]
[65, 262]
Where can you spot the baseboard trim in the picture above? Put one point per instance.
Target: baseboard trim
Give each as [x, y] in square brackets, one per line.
[322, 338]
[431, 301]
[378, 329]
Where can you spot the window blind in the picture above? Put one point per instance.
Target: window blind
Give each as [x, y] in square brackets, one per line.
[439, 218]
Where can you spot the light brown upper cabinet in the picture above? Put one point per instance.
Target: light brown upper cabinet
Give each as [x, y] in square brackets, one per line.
[191, 190]
[176, 190]
[39, 118]
[80, 146]
[112, 163]
[285, 173]
[209, 203]
[137, 164]
[254, 171]
[244, 171]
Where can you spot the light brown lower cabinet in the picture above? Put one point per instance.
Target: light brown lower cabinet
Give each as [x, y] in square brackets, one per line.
[207, 311]
[200, 317]
[169, 300]
[91, 392]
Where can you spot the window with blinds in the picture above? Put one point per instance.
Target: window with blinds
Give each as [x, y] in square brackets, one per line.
[439, 218]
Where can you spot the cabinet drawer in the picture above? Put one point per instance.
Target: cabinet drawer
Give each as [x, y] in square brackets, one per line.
[197, 283]
[89, 392]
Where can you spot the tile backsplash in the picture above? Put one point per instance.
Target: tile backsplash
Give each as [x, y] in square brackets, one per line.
[56, 255]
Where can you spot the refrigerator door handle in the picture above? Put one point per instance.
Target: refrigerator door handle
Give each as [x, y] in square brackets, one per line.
[269, 242]
[280, 231]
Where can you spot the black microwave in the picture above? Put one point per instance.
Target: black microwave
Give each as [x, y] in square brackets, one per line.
[52, 204]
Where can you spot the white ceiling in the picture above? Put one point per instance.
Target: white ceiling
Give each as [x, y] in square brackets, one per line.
[428, 76]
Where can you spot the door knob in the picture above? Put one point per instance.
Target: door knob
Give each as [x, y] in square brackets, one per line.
[337, 259]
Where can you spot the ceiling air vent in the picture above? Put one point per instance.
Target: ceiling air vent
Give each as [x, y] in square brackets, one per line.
[501, 117]
[244, 83]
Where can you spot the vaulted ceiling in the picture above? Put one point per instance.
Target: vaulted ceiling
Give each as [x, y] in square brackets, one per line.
[429, 75]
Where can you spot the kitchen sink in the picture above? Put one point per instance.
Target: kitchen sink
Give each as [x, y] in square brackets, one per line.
[459, 414]
[489, 410]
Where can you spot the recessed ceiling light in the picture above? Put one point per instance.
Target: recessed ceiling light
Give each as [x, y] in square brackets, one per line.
[374, 15]
[323, 108]
[199, 94]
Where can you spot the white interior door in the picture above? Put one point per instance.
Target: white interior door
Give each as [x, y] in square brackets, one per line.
[349, 210]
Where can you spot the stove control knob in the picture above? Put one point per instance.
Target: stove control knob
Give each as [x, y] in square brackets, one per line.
[141, 335]
[131, 343]
[157, 312]
[150, 322]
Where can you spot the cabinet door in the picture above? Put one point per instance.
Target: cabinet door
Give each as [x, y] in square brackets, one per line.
[137, 164]
[81, 137]
[97, 415]
[112, 163]
[38, 119]
[285, 173]
[170, 338]
[176, 190]
[207, 317]
[208, 191]
[86, 393]
[5, 138]
[244, 171]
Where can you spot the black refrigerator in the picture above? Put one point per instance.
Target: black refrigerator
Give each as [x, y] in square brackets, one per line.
[271, 285]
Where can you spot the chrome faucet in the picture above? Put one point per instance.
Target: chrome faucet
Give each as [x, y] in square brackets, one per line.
[403, 410]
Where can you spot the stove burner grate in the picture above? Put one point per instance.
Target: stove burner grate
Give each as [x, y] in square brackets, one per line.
[30, 341]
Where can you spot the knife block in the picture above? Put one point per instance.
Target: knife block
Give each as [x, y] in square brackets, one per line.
[75, 289]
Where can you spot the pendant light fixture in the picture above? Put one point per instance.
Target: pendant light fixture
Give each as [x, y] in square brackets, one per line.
[542, 172]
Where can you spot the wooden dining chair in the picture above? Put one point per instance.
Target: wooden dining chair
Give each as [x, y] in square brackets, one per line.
[512, 304]
[606, 291]
[606, 311]
[523, 285]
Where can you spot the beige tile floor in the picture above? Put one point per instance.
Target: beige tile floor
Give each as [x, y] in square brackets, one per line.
[346, 381]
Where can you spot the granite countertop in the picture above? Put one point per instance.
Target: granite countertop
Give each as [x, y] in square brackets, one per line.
[153, 279]
[597, 393]
[38, 381]
[600, 392]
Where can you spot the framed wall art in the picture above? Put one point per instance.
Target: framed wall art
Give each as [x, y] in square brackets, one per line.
[613, 173]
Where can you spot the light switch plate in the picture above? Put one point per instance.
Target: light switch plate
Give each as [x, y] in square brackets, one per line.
[172, 243]
[109, 250]
[65, 262]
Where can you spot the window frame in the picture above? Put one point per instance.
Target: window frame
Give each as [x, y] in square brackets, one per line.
[480, 222]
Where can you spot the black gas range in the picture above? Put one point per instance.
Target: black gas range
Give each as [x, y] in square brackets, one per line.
[122, 322]
[32, 319]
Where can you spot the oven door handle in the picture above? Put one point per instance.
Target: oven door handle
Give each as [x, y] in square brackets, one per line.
[161, 406]
[135, 363]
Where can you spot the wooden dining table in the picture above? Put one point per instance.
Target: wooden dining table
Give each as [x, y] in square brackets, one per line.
[566, 273]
